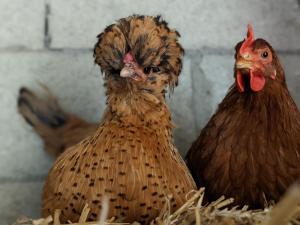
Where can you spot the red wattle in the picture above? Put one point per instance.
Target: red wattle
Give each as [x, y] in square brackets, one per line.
[257, 81]
[240, 81]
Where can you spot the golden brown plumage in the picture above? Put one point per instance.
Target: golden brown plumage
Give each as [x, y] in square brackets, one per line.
[250, 148]
[131, 157]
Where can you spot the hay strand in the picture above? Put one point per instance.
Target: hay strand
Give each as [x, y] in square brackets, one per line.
[56, 217]
[84, 214]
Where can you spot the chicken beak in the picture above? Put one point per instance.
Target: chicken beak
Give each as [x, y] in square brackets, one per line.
[133, 72]
[255, 78]
[243, 64]
[127, 71]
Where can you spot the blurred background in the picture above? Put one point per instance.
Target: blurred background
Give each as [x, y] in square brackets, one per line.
[51, 41]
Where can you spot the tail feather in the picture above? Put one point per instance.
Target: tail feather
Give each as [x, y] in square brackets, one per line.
[46, 111]
[59, 130]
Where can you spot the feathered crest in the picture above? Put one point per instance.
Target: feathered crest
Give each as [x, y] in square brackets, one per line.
[249, 40]
[149, 40]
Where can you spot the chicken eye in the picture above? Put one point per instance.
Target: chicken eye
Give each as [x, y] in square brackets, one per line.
[155, 69]
[114, 71]
[264, 55]
[147, 70]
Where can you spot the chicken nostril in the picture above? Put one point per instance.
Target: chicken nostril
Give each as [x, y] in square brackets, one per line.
[246, 56]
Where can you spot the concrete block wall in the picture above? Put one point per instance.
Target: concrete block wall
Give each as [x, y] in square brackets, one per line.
[51, 41]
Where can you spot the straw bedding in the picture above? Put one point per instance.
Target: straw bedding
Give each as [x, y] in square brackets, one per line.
[220, 212]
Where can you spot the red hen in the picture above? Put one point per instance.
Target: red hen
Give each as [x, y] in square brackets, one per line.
[250, 148]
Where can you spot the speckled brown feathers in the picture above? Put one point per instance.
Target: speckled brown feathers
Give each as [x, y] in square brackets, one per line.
[250, 148]
[131, 157]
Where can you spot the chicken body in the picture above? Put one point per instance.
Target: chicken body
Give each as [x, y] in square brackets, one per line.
[250, 148]
[130, 158]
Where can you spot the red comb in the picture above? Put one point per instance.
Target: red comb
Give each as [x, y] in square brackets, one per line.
[249, 40]
[128, 58]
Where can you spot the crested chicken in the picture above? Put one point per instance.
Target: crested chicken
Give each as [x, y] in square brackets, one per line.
[250, 148]
[130, 158]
